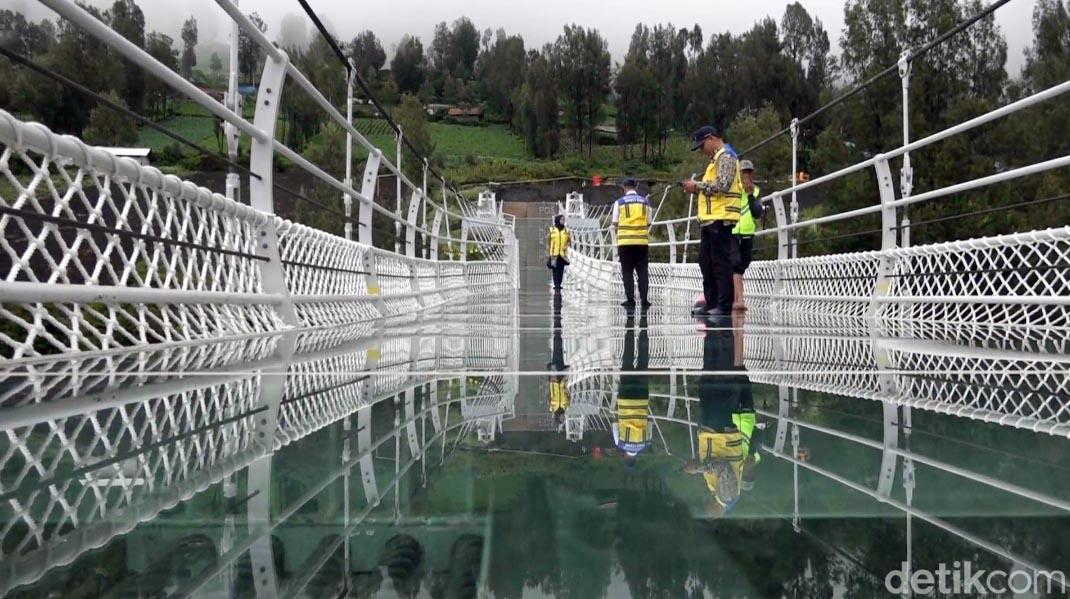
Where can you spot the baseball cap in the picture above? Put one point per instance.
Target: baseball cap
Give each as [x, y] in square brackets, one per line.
[628, 182]
[701, 134]
[746, 165]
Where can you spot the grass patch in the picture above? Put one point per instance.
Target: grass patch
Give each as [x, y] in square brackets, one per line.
[491, 141]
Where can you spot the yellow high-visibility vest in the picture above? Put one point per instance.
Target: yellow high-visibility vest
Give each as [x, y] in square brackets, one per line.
[730, 446]
[747, 225]
[559, 398]
[633, 431]
[633, 227]
[720, 206]
[558, 243]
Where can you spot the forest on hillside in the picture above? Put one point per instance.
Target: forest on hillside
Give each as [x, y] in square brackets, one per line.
[561, 99]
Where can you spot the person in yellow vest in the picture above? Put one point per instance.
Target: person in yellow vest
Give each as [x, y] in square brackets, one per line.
[728, 432]
[559, 396]
[750, 206]
[632, 432]
[631, 219]
[719, 193]
[557, 250]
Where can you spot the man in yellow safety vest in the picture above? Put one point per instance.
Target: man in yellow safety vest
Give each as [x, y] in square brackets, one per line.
[719, 193]
[631, 220]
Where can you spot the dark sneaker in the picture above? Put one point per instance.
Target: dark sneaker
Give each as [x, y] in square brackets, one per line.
[699, 311]
[629, 305]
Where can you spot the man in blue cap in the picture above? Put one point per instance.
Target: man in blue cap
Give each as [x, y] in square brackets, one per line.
[631, 220]
[718, 212]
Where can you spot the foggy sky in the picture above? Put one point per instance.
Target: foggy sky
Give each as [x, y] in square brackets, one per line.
[538, 21]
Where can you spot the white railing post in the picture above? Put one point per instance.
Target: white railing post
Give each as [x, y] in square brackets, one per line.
[794, 234]
[233, 102]
[347, 198]
[261, 191]
[397, 196]
[424, 211]
[906, 174]
[367, 189]
[411, 222]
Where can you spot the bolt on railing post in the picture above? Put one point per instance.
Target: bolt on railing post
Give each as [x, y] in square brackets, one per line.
[347, 198]
[906, 174]
[793, 233]
[261, 191]
[397, 196]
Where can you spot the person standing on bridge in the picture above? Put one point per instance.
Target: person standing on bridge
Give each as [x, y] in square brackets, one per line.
[557, 250]
[719, 194]
[631, 220]
[750, 206]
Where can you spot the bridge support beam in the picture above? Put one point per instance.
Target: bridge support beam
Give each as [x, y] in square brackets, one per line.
[261, 190]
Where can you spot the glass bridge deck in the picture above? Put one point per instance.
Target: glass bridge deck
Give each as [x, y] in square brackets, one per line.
[523, 447]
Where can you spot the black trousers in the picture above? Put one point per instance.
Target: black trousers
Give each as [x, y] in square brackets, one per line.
[746, 252]
[634, 263]
[718, 257]
[559, 273]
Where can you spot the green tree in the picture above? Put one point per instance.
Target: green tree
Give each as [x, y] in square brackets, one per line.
[500, 72]
[412, 118]
[78, 56]
[216, 65]
[773, 161]
[453, 51]
[29, 39]
[323, 150]
[160, 47]
[389, 94]
[581, 66]
[108, 127]
[250, 54]
[126, 18]
[407, 66]
[537, 115]
[366, 52]
[189, 46]
[635, 88]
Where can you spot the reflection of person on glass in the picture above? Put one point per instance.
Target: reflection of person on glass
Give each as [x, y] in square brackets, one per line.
[727, 433]
[632, 432]
[559, 397]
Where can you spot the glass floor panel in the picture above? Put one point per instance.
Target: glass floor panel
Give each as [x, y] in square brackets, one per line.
[534, 445]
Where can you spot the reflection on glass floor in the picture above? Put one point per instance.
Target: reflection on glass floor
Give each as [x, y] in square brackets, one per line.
[537, 447]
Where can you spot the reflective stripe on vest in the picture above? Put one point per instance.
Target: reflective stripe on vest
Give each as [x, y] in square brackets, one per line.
[720, 206]
[558, 242]
[632, 225]
[746, 225]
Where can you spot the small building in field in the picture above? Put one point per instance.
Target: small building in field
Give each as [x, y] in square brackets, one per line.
[437, 111]
[141, 155]
[465, 114]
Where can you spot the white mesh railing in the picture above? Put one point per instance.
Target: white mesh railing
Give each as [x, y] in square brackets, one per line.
[99, 252]
[93, 445]
[941, 369]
